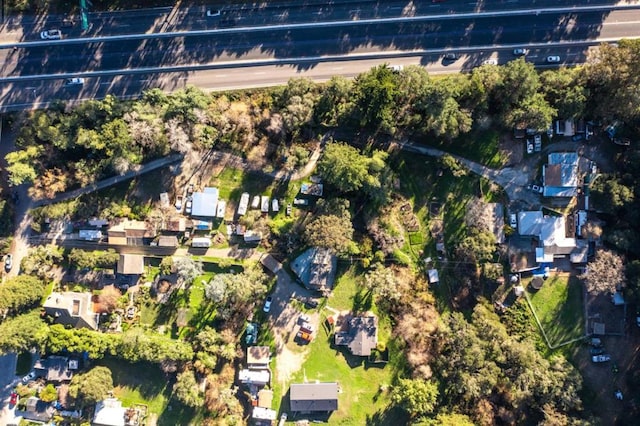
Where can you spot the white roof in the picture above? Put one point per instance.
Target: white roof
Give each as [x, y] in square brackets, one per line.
[244, 203]
[254, 376]
[222, 205]
[205, 203]
[109, 412]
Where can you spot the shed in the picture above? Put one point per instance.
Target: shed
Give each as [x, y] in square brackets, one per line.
[168, 241]
[313, 397]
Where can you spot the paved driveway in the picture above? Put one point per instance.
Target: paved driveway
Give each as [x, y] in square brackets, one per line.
[7, 382]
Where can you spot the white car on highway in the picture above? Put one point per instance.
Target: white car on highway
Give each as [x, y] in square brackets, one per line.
[491, 61]
[553, 59]
[76, 81]
[213, 12]
[51, 35]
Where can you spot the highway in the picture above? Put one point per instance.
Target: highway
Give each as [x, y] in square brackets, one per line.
[175, 48]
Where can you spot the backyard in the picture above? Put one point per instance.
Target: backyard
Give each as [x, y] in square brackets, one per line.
[558, 305]
[145, 384]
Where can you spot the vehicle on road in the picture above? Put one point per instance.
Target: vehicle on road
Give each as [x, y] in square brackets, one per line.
[601, 358]
[553, 59]
[491, 61]
[513, 220]
[519, 51]
[8, 262]
[51, 35]
[267, 304]
[213, 12]
[14, 399]
[29, 377]
[76, 81]
[450, 56]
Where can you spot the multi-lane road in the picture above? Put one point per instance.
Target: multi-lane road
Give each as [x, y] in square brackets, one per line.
[125, 53]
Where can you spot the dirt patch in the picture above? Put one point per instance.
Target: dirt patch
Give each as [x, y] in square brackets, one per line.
[601, 380]
[600, 310]
[512, 150]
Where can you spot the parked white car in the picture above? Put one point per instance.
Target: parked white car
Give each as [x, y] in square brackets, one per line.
[601, 358]
[513, 220]
[29, 377]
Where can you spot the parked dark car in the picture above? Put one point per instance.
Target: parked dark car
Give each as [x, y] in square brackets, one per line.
[577, 138]
[310, 303]
[596, 351]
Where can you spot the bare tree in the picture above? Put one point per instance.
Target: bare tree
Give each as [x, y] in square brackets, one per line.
[605, 273]
[479, 215]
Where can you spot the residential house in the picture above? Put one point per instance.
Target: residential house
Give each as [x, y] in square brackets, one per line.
[130, 232]
[36, 410]
[560, 175]
[109, 412]
[554, 238]
[72, 309]
[131, 264]
[56, 368]
[316, 268]
[359, 334]
[313, 397]
[258, 357]
[205, 203]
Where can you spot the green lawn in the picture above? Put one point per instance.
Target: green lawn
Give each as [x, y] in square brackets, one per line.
[481, 146]
[558, 305]
[144, 383]
[361, 400]
[345, 288]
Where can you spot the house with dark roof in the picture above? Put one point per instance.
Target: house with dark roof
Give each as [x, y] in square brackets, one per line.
[56, 368]
[359, 334]
[36, 410]
[316, 268]
[72, 309]
[313, 397]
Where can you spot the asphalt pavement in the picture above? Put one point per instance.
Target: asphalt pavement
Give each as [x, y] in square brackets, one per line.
[169, 48]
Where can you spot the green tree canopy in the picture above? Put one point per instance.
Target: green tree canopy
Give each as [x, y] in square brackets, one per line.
[19, 293]
[22, 333]
[330, 231]
[186, 389]
[90, 387]
[345, 168]
[375, 95]
[418, 397]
